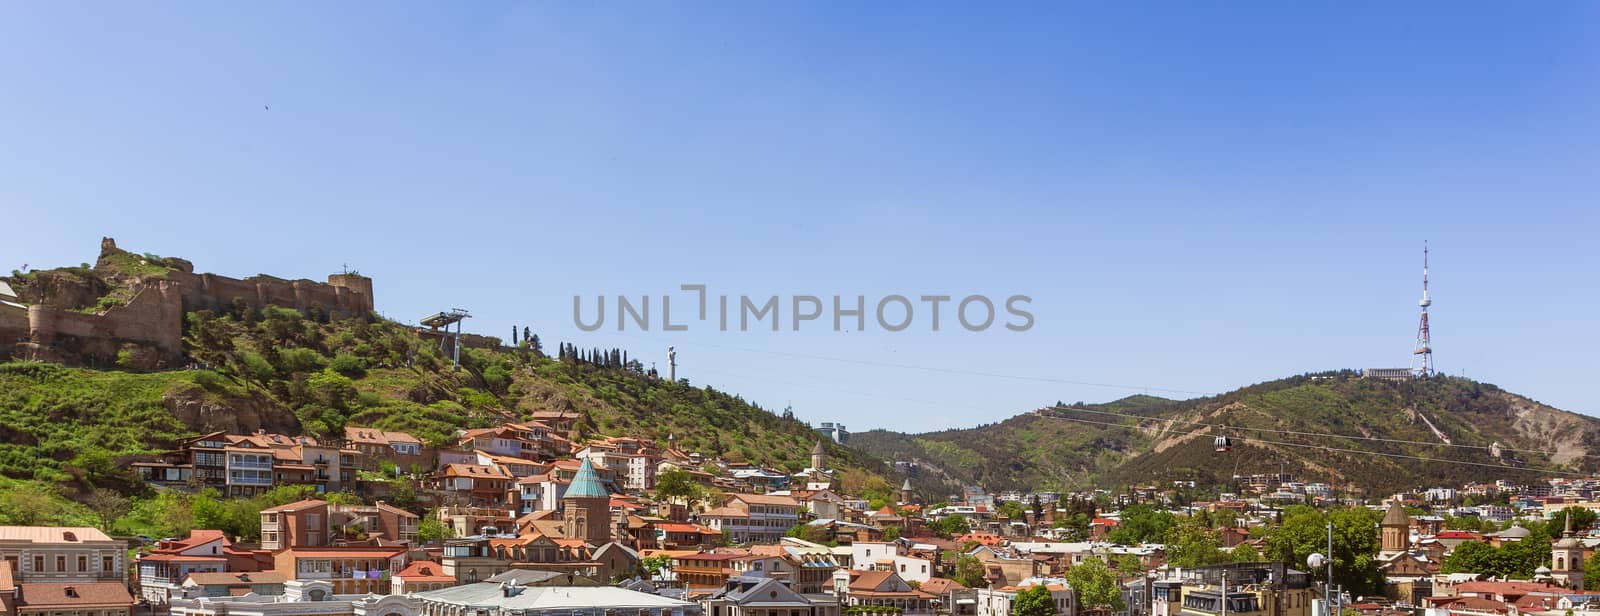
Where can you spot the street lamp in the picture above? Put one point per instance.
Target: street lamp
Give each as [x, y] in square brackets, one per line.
[1316, 561]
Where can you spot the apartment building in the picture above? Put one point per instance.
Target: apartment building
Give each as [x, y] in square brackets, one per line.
[754, 518]
[298, 524]
[62, 555]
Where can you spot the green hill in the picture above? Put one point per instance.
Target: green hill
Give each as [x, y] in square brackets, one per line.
[1279, 424]
[280, 370]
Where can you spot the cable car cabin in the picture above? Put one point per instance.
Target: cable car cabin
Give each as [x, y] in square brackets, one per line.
[1224, 444]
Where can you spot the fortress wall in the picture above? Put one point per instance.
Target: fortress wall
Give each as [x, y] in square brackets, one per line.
[13, 325]
[154, 318]
[275, 292]
[217, 293]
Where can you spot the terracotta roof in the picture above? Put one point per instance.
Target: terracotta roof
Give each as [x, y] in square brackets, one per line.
[868, 580]
[76, 596]
[51, 534]
[1508, 588]
[196, 538]
[170, 558]
[765, 499]
[347, 552]
[297, 506]
[208, 578]
[941, 586]
[424, 571]
[476, 470]
[685, 527]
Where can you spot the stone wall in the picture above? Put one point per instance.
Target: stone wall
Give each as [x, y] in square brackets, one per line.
[152, 321]
[13, 327]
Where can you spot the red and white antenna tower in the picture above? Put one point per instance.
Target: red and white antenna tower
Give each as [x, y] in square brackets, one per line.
[1422, 357]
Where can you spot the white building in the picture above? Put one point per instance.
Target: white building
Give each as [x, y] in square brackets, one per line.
[997, 602]
[491, 599]
[299, 598]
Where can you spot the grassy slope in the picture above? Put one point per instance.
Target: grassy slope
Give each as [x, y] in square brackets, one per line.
[75, 427]
[1050, 453]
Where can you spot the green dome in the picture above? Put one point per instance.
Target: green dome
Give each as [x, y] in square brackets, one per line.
[586, 484]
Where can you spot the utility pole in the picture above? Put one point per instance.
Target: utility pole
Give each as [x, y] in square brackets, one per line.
[1338, 602]
[1224, 592]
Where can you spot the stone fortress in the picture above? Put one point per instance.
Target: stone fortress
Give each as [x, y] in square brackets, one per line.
[64, 315]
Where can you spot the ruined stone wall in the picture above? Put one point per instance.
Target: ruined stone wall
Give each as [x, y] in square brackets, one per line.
[13, 327]
[218, 293]
[152, 321]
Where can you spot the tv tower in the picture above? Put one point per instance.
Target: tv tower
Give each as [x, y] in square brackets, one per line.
[1422, 357]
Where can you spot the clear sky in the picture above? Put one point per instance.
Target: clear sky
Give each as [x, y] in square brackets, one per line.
[1195, 197]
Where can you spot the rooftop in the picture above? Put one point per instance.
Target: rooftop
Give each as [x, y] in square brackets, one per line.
[538, 598]
[51, 534]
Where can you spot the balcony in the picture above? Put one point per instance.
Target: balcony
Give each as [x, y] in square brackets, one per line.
[247, 464]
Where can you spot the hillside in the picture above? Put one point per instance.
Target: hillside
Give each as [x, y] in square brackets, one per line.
[73, 429]
[1148, 440]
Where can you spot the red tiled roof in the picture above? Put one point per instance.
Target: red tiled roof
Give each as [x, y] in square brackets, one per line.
[52, 534]
[765, 499]
[76, 596]
[296, 506]
[171, 558]
[209, 578]
[347, 552]
[424, 571]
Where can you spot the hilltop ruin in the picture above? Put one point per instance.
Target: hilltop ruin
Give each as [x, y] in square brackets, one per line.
[129, 309]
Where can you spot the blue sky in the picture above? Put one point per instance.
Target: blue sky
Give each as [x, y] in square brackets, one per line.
[1195, 197]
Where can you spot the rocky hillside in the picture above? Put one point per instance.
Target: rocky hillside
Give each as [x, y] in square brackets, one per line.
[1141, 440]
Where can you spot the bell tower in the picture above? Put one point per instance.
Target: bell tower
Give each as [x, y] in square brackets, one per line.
[1566, 556]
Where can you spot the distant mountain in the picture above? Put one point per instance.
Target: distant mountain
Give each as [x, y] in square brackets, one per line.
[1143, 440]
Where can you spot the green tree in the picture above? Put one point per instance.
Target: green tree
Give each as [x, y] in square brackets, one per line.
[1245, 553]
[1192, 544]
[431, 529]
[1355, 544]
[1141, 524]
[951, 526]
[970, 572]
[678, 483]
[1475, 557]
[1034, 601]
[1095, 584]
[1128, 563]
[1013, 510]
[655, 564]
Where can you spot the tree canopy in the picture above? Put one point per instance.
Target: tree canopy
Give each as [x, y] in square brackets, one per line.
[1095, 584]
[1034, 601]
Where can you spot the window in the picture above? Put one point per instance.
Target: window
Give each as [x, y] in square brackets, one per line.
[61, 563]
[107, 563]
[38, 564]
[83, 563]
